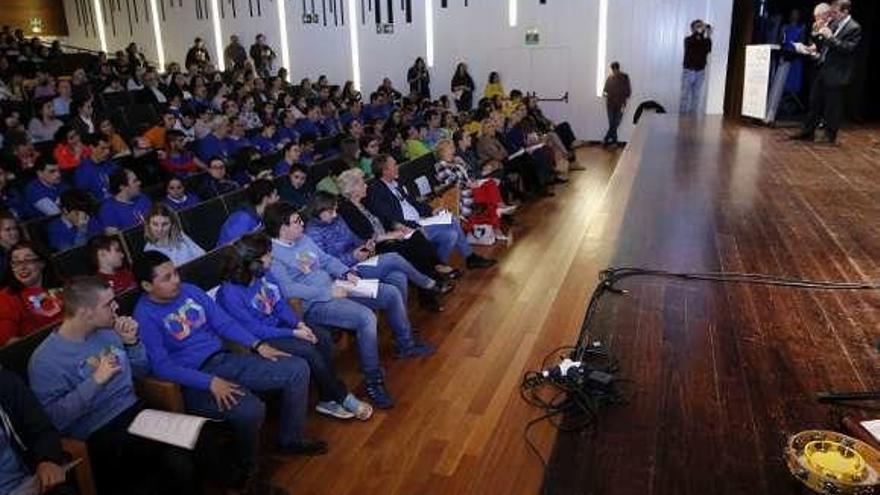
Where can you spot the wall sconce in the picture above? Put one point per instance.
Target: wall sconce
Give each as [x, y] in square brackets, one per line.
[36, 24]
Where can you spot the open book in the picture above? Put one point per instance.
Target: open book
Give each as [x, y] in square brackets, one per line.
[368, 288]
[442, 218]
[180, 430]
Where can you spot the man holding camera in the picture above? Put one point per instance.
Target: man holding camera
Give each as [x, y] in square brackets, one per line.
[697, 47]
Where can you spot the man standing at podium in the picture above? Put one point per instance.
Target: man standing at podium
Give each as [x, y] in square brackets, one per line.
[834, 50]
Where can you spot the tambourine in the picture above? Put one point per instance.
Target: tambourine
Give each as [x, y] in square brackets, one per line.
[833, 463]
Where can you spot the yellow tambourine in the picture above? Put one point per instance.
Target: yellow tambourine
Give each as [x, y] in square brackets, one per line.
[833, 463]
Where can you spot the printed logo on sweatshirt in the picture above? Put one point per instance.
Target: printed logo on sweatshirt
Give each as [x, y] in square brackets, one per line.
[306, 260]
[181, 323]
[88, 365]
[47, 303]
[266, 298]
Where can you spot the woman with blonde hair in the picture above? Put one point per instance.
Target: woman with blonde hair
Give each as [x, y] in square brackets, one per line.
[163, 233]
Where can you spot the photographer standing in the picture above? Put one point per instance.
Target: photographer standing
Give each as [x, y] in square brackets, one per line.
[697, 47]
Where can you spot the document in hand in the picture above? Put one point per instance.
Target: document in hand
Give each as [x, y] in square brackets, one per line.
[368, 288]
[371, 261]
[442, 218]
[180, 430]
[424, 186]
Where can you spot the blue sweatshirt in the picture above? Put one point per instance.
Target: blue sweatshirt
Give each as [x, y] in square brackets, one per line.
[180, 335]
[210, 146]
[60, 373]
[335, 238]
[188, 200]
[264, 144]
[304, 271]
[115, 213]
[306, 127]
[42, 199]
[281, 168]
[241, 222]
[64, 235]
[94, 177]
[286, 134]
[259, 307]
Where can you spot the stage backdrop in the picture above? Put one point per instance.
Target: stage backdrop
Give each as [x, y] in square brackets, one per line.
[645, 36]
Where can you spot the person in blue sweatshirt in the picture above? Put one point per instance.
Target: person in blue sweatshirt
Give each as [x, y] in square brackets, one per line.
[287, 132]
[76, 224]
[127, 207]
[290, 156]
[43, 192]
[177, 197]
[265, 140]
[30, 447]
[184, 333]
[93, 173]
[332, 234]
[214, 144]
[305, 272]
[309, 125]
[252, 297]
[260, 194]
[82, 374]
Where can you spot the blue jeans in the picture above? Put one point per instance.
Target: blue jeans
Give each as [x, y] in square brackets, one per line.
[448, 238]
[319, 356]
[615, 116]
[393, 269]
[253, 373]
[691, 91]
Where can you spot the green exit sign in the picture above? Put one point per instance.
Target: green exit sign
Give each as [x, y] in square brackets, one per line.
[532, 37]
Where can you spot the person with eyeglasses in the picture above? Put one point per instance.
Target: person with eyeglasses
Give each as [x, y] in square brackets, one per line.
[32, 297]
[215, 183]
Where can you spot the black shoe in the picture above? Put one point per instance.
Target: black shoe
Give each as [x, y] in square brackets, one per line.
[443, 287]
[803, 136]
[430, 300]
[546, 193]
[477, 261]
[559, 180]
[304, 447]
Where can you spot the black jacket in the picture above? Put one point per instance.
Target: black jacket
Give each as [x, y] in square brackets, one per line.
[385, 205]
[839, 54]
[39, 439]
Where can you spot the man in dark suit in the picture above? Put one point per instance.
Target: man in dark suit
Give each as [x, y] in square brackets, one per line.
[397, 209]
[835, 47]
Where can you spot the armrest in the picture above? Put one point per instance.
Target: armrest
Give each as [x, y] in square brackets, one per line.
[85, 483]
[160, 394]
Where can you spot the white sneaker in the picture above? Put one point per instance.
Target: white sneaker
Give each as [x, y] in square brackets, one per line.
[334, 409]
[506, 209]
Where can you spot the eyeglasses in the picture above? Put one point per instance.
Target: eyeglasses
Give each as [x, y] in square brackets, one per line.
[297, 220]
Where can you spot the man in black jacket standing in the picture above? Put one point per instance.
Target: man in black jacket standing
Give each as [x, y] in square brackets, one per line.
[617, 91]
[30, 448]
[835, 46]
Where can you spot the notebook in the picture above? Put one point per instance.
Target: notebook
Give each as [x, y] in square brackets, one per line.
[180, 430]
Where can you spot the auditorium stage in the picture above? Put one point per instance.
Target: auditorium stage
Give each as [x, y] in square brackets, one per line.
[721, 373]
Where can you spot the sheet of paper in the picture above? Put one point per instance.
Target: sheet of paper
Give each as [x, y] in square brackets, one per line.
[535, 147]
[424, 186]
[873, 427]
[372, 261]
[180, 430]
[443, 218]
[516, 154]
[365, 287]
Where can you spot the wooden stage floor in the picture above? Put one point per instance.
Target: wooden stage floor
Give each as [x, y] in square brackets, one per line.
[721, 373]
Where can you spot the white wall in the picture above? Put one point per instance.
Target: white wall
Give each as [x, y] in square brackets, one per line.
[645, 36]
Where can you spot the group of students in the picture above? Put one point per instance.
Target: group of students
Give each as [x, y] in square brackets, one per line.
[291, 239]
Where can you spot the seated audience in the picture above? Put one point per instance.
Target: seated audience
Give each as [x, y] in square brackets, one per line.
[184, 331]
[156, 135]
[83, 117]
[214, 144]
[399, 210]
[163, 233]
[176, 195]
[178, 160]
[107, 261]
[411, 244]
[295, 188]
[44, 125]
[43, 194]
[260, 194]
[306, 272]
[31, 298]
[61, 103]
[127, 207]
[414, 146]
[216, 183]
[69, 149]
[11, 199]
[333, 236]
[83, 375]
[93, 173]
[32, 460]
[118, 146]
[10, 235]
[76, 223]
[290, 157]
[252, 297]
